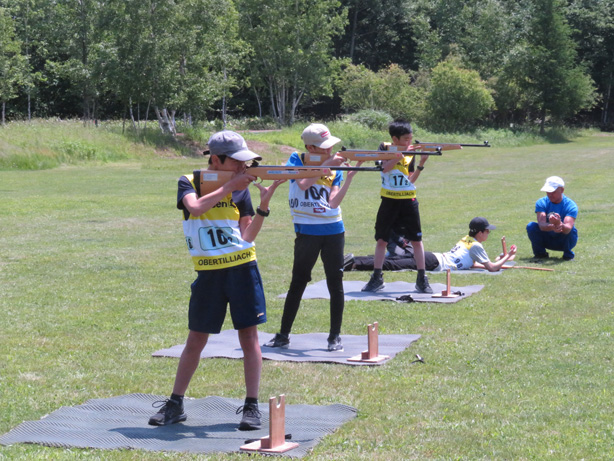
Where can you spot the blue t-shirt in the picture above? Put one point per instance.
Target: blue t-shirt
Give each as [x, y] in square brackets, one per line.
[567, 207]
[317, 229]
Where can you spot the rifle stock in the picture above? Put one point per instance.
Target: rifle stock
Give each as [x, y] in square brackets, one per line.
[208, 181]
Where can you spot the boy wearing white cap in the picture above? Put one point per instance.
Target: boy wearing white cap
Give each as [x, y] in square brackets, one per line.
[314, 206]
[220, 228]
[555, 227]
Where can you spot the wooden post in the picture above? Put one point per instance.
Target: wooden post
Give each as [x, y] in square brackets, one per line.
[447, 293]
[275, 442]
[504, 245]
[372, 353]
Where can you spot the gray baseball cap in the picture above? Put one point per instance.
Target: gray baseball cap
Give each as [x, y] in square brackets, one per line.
[230, 144]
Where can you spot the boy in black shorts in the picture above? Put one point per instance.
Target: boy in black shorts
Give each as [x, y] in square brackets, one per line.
[220, 228]
[399, 207]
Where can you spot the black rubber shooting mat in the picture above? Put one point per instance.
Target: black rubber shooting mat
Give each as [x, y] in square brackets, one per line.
[391, 292]
[211, 427]
[308, 347]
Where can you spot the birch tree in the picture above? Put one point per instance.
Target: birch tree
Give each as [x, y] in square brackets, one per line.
[292, 49]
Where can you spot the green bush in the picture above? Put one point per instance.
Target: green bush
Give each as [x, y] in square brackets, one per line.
[374, 119]
[391, 90]
[458, 99]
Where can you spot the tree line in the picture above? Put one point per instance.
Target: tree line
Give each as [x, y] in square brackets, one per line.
[450, 64]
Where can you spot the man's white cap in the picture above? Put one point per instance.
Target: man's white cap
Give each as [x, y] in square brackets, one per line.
[552, 184]
[318, 135]
[232, 145]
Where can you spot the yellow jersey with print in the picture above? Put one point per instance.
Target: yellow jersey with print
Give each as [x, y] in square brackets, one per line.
[214, 238]
[396, 183]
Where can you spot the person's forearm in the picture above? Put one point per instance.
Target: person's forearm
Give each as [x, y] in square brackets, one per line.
[337, 197]
[251, 231]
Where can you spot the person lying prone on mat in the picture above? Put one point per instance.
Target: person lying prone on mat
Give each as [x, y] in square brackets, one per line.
[468, 253]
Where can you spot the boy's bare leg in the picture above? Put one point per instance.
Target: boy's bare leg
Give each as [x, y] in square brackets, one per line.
[190, 358]
[380, 254]
[419, 254]
[252, 361]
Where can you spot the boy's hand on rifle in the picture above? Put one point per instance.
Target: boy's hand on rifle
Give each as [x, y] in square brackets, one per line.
[351, 174]
[423, 159]
[335, 160]
[240, 181]
[267, 192]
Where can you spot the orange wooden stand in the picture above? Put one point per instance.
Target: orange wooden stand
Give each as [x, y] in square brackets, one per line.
[372, 354]
[275, 442]
[447, 293]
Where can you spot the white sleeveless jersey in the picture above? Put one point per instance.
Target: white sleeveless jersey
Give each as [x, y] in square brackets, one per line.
[214, 238]
[462, 255]
[311, 206]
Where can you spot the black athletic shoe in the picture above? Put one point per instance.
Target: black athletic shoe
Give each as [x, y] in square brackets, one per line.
[334, 344]
[171, 412]
[538, 258]
[422, 285]
[279, 340]
[251, 417]
[348, 262]
[374, 284]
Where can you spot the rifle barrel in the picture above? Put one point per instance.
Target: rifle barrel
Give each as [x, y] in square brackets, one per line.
[484, 144]
[404, 152]
[355, 168]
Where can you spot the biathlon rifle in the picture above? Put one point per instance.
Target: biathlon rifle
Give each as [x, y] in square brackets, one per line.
[361, 155]
[207, 181]
[446, 146]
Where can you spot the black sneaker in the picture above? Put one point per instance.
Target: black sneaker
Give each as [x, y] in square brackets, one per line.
[348, 262]
[422, 285]
[538, 258]
[279, 340]
[334, 344]
[374, 284]
[251, 417]
[171, 412]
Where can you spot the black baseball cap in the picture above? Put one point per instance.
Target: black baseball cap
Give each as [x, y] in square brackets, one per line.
[480, 224]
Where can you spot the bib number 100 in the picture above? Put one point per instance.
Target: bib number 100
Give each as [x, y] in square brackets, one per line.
[213, 238]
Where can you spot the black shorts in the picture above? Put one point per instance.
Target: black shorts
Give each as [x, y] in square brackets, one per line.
[400, 215]
[212, 291]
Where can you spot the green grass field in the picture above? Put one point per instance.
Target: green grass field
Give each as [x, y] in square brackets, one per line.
[94, 277]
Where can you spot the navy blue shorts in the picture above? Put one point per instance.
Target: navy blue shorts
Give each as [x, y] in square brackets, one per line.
[214, 290]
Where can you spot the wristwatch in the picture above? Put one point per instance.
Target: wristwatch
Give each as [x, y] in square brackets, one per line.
[420, 167]
[264, 214]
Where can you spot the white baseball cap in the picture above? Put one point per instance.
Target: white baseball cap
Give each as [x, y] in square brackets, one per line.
[552, 184]
[318, 135]
[230, 144]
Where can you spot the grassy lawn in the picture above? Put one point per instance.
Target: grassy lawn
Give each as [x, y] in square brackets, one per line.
[94, 277]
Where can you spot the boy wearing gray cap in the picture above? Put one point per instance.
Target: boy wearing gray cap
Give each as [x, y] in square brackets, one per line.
[556, 217]
[220, 228]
